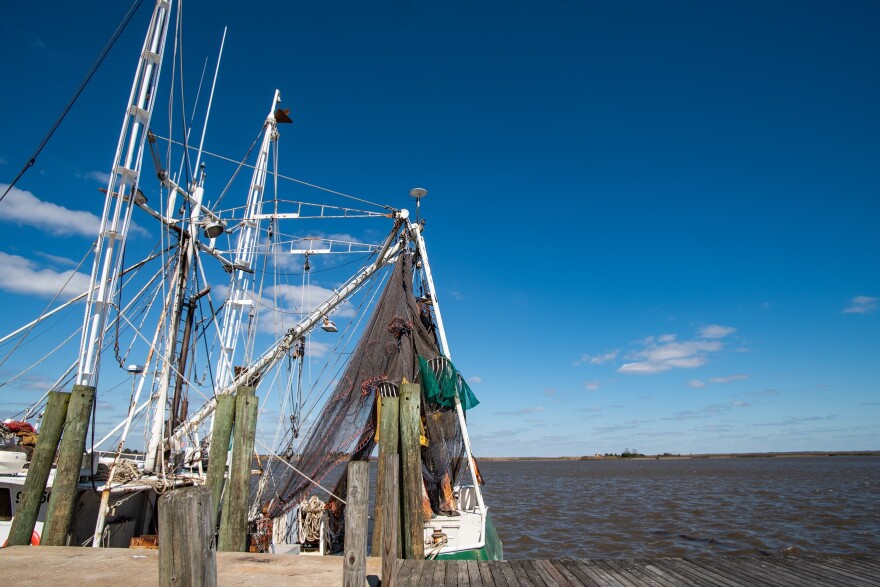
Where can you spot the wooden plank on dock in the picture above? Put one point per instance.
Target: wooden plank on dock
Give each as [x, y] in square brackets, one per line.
[408, 572]
[461, 573]
[600, 575]
[497, 570]
[867, 570]
[474, 574]
[831, 571]
[486, 576]
[521, 575]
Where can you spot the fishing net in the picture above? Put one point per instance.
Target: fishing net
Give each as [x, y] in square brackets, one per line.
[395, 345]
[387, 353]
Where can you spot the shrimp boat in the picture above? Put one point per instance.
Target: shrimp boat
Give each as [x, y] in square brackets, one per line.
[321, 302]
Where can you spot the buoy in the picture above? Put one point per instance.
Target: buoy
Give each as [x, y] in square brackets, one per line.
[35, 540]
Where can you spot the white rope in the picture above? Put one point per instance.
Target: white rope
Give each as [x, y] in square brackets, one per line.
[306, 477]
[311, 516]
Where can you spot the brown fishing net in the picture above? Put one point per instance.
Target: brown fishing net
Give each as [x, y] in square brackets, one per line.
[388, 352]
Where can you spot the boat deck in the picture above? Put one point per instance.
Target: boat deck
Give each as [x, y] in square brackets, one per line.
[830, 571]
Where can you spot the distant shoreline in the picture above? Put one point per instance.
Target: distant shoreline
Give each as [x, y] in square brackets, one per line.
[671, 457]
[745, 455]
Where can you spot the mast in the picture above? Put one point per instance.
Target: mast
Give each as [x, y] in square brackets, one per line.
[389, 250]
[177, 295]
[237, 299]
[121, 193]
[416, 232]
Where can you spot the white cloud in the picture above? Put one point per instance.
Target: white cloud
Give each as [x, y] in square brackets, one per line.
[729, 378]
[24, 208]
[56, 259]
[101, 176]
[535, 410]
[696, 383]
[597, 359]
[716, 331]
[665, 352]
[591, 385]
[475, 379]
[522, 411]
[22, 275]
[861, 305]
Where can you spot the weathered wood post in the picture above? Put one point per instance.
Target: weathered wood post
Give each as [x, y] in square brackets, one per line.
[186, 538]
[70, 456]
[38, 472]
[389, 439]
[390, 519]
[411, 477]
[233, 526]
[355, 565]
[223, 417]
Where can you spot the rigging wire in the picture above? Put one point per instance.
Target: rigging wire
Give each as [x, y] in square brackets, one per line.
[82, 86]
[52, 301]
[288, 178]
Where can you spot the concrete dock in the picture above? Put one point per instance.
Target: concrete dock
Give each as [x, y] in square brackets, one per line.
[58, 566]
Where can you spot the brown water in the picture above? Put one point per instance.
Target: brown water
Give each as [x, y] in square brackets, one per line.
[689, 507]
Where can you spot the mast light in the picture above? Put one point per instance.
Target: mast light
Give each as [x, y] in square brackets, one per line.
[214, 229]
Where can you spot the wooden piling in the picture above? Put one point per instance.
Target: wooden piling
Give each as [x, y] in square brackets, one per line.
[32, 494]
[354, 569]
[186, 538]
[411, 465]
[390, 519]
[224, 414]
[233, 524]
[389, 439]
[62, 501]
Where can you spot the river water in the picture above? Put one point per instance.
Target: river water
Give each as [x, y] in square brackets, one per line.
[685, 507]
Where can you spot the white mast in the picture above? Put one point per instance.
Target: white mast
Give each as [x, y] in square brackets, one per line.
[238, 298]
[186, 263]
[415, 229]
[121, 192]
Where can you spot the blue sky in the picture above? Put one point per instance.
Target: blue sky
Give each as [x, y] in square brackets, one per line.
[653, 225]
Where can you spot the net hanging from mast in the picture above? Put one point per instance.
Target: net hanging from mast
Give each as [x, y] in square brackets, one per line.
[345, 429]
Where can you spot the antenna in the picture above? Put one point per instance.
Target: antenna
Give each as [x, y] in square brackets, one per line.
[418, 194]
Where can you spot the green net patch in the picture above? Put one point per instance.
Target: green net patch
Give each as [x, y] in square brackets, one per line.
[442, 389]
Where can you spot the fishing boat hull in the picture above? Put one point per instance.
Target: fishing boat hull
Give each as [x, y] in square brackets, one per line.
[492, 549]
[12, 461]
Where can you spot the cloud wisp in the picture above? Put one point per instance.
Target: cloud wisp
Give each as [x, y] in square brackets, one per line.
[25, 209]
[862, 305]
[22, 275]
[597, 359]
[698, 383]
[665, 352]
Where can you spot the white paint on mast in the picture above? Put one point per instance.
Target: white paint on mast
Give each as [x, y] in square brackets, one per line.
[121, 192]
[156, 446]
[238, 296]
[416, 232]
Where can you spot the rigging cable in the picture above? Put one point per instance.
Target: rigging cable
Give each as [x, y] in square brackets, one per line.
[82, 86]
[52, 301]
[288, 178]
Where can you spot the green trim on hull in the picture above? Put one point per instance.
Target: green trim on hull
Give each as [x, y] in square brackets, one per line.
[493, 550]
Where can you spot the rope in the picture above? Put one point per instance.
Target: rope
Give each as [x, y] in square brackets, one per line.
[311, 516]
[126, 470]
